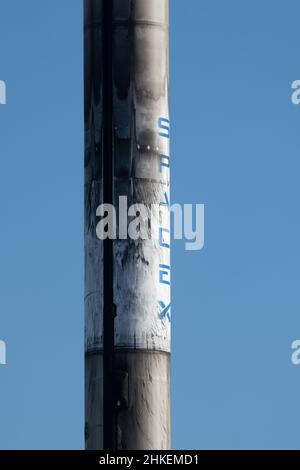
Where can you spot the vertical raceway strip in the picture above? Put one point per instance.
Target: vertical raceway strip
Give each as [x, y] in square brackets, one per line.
[108, 313]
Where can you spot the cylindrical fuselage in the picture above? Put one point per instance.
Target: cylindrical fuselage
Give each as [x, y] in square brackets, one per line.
[137, 91]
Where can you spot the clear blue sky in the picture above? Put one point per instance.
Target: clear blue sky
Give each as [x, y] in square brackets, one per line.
[235, 148]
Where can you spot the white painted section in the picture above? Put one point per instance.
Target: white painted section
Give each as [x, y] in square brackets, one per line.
[142, 301]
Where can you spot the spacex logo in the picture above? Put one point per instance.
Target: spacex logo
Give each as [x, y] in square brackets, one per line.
[2, 92]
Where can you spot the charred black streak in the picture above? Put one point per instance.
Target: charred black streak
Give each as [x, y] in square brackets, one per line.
[109, 437]
[132, 251]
